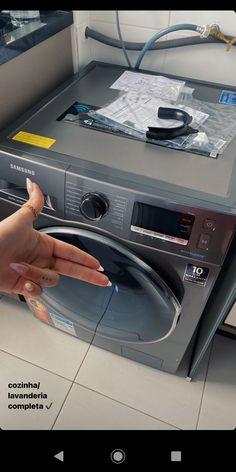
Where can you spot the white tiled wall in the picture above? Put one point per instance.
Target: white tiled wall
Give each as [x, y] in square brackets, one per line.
[208, 62]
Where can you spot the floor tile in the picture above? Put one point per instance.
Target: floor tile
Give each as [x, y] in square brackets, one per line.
[25, 336]
[86, 409]
[16, 371]
[167, 397]
[218, 409]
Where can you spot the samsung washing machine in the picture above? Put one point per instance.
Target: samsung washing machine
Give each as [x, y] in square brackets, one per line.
[156, 219]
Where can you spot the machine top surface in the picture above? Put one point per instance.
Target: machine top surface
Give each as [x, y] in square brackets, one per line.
[176, 172]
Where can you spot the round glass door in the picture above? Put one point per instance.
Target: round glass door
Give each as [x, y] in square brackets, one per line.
[138, 307]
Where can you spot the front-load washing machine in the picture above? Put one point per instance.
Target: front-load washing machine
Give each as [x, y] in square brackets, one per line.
[152, 216]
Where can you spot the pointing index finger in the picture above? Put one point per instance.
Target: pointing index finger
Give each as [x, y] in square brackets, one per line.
[72, 253]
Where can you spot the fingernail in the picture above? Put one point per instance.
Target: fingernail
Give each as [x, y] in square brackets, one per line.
[29, 287]
[100, 269]
[19, 268]
[109, 284]
[29, 185]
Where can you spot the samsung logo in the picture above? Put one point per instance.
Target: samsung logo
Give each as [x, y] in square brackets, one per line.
[22, 169]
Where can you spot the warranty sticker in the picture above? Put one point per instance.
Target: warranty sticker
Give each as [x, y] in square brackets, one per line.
[196, 274]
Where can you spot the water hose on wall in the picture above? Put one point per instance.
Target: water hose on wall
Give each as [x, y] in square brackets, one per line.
[168, 44]
[159, 35]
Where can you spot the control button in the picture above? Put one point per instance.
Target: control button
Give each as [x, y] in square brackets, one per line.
[184, 228]
[176, 456]
[117, 456]
[60, 456]
[93, 206]
[204, 241]
[209, 224]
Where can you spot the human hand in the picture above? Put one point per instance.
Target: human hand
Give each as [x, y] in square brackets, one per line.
[31, 260]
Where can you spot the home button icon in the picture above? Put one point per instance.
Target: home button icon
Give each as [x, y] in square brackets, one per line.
[117, 456]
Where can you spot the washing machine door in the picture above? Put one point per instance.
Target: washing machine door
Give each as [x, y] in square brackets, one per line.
[138, 307]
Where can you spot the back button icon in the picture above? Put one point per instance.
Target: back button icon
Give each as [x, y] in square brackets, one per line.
[60, 456]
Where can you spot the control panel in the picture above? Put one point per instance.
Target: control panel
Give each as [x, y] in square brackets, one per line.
[146, 219]
[115, 207]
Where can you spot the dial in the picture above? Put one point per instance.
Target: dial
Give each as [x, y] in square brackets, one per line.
[94, 206]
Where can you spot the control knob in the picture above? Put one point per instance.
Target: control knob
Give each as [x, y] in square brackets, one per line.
[94, 206]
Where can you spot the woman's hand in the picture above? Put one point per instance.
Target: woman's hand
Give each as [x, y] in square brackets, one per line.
[31, 260]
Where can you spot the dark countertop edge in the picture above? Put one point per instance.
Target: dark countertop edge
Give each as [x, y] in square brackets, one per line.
[17, 47]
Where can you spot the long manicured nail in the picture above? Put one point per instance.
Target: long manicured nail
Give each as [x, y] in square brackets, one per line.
[100, 269]
[29, 287]
[29, 185]
[19, 268]
[109, 284]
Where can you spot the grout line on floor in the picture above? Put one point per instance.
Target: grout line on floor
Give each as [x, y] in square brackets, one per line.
[36, 365]
[128, 406]
[205, 382]
[85, 355]
[63, 403]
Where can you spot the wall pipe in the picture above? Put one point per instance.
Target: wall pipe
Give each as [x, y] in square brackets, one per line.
[167, 44]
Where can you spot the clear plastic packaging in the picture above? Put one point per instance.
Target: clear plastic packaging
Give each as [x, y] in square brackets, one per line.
[131, 113]
[135, 110]
[219, 128]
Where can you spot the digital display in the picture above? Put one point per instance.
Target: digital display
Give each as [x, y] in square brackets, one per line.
[158, 222]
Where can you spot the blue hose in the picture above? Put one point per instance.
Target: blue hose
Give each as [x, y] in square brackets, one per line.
[161, 33]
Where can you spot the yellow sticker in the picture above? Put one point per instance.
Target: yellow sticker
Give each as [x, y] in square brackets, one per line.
[34, 139]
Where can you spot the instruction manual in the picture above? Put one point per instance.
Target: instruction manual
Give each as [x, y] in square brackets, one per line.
[154, 85]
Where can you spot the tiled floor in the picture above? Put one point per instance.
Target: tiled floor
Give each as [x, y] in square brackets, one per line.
[89, 388]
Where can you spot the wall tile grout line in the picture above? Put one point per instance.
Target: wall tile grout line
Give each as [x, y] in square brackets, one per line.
[166, 38]
[99, 22]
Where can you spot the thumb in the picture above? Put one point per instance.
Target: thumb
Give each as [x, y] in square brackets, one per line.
[34, 205]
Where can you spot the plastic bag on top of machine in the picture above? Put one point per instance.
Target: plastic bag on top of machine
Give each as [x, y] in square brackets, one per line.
[216, 132]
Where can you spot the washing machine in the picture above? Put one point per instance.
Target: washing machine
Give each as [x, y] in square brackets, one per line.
[160, 222]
